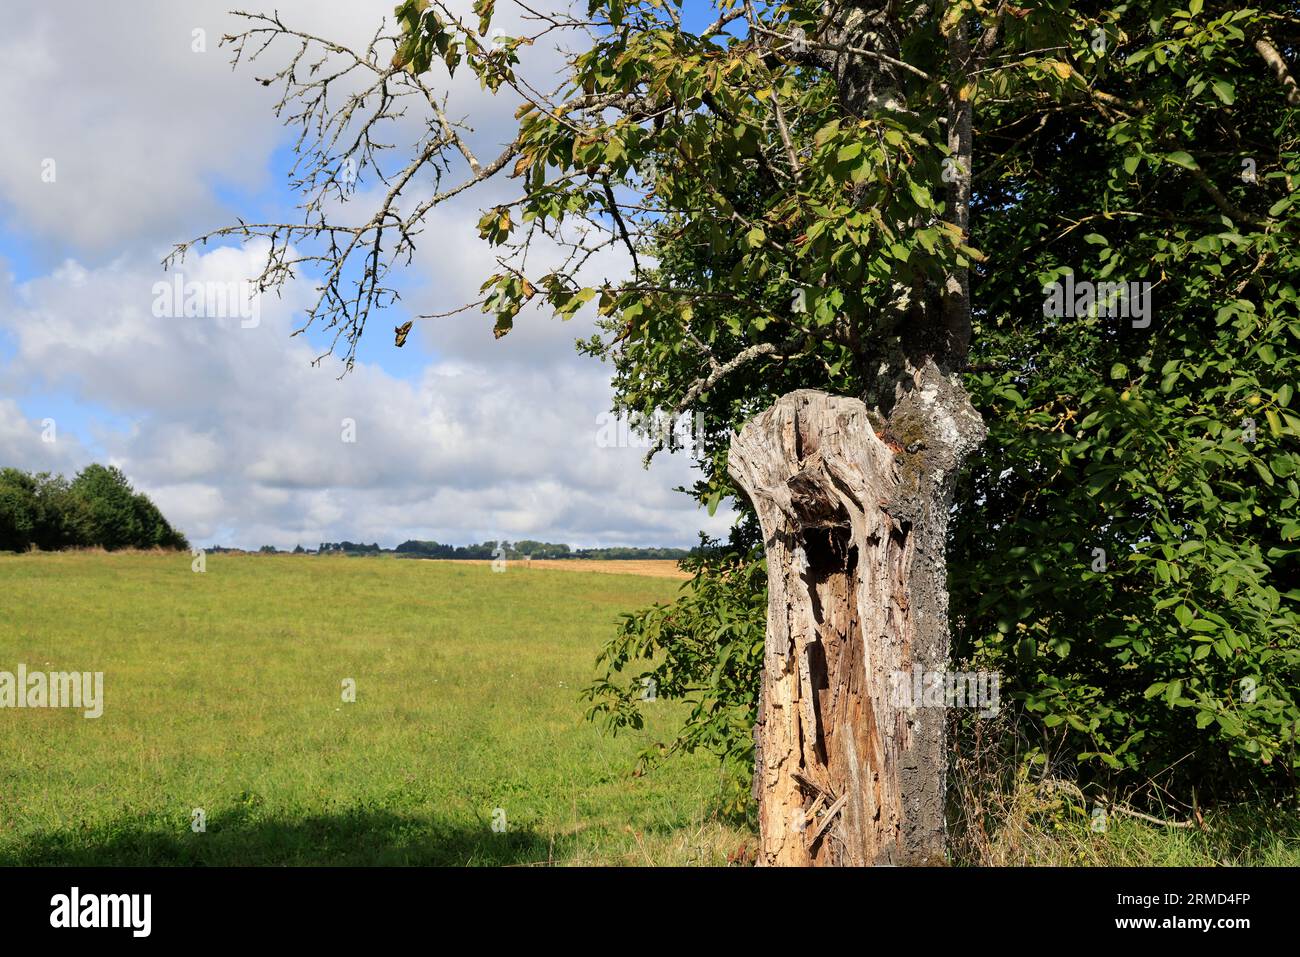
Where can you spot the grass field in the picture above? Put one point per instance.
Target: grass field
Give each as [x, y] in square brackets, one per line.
[223, 691]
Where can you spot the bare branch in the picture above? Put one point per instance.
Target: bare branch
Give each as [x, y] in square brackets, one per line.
[717, 373]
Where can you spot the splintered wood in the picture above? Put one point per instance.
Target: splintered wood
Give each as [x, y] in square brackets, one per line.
[831, 745]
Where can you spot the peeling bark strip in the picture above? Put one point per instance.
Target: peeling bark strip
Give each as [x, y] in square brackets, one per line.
[856, 591]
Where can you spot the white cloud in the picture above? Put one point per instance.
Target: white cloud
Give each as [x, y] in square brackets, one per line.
[36, 445]
[142, 129]
[231, 429]
[235, 429]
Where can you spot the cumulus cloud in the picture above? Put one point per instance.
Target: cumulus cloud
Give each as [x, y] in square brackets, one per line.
[237, 433]
[36, 444]
[224, 419]
[146, 126]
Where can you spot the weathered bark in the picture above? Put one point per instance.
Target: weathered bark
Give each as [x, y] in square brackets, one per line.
[855, 534]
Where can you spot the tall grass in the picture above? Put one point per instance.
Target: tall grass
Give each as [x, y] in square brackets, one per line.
[1017, 802]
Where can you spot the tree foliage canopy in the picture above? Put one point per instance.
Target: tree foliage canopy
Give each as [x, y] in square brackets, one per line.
[814, 195]
[1124, 551]
[98, 508]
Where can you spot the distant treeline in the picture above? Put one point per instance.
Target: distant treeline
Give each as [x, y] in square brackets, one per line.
[531, 549]
[98, 508]
[491, 549]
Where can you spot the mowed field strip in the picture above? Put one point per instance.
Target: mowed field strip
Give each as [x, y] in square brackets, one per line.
[654, 568]
[223, 692]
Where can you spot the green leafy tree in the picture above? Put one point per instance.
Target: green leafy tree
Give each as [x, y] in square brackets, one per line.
[873, 200]
[20, 511]
[110, 515]
[1127, 543]
[63, 524]
[98, 508]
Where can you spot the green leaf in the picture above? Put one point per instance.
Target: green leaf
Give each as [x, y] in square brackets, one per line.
[849, 151]
[1224, 91]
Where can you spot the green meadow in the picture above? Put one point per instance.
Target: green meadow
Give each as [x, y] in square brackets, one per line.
[224, 692]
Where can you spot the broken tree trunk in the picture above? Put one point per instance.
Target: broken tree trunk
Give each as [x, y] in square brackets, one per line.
[855, 524]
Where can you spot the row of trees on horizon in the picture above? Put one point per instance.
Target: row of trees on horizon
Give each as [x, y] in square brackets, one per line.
[525, 548]
[98, 508]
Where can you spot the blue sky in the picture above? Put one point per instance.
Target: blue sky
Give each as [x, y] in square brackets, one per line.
[228, 425]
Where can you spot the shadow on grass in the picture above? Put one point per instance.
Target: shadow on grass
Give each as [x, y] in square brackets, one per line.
[352, 837]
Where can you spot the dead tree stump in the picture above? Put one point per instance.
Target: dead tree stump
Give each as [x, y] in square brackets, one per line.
[855, 532]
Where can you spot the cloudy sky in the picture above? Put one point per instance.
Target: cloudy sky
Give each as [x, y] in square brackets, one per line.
[122, 139]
